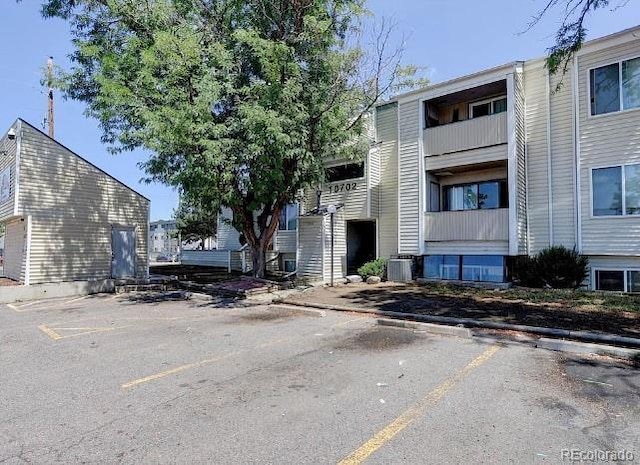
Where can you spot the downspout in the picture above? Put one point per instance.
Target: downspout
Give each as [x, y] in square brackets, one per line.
[549, 163]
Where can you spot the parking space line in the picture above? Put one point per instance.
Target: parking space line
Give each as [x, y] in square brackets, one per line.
[188, 366]
[49, 332]
[408, 416]
[54, 335]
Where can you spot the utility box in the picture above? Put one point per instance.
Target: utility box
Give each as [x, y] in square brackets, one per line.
[399, 270]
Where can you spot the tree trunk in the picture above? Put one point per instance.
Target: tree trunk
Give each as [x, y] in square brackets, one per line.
[259, 259]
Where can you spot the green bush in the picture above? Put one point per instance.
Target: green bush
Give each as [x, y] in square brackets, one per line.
[376, 267]
[556, 267]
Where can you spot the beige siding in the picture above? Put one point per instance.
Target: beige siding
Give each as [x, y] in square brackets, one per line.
[14, 250]
[339, 247]
[387, 138]
[466, 135]
[471, 225]
[9, 161]
[286, 241]
[468, 248]
[311, 247]
[537, 154]
[351, 193]
[563, 162]
[606, 140]
[409, 178]
[374, 182]
[228, 236]
[521, 170]
[468, 157]
[73, 205]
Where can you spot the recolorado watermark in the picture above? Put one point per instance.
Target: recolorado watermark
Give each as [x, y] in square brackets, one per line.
[596, 455]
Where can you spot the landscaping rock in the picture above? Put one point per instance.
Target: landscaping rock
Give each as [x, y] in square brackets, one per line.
[354, 279]
[374, 280]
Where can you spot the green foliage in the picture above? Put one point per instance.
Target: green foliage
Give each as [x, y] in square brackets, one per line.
[556, 267]
[238, 102]
[196, 222]
[376, 267]
[572, 31]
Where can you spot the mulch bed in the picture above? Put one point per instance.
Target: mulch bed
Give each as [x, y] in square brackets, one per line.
[480, 305]
[8, 282]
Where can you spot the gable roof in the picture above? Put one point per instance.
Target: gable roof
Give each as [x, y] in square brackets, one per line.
[43, 134]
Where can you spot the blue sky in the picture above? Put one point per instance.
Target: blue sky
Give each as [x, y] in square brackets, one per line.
[449, 37]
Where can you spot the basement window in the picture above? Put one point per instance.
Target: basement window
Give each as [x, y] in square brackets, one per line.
[617, 280]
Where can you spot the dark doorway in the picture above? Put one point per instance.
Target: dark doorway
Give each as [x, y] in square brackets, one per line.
[361, 244]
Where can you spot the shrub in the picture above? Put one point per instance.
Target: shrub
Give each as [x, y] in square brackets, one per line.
[376, 267]
[556, 267]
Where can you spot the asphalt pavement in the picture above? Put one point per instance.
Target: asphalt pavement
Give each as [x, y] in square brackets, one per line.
[114, 379]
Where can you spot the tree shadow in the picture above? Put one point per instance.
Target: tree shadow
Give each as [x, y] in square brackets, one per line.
[417, 299]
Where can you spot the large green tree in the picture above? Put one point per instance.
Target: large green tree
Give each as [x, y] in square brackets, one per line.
[238, 101]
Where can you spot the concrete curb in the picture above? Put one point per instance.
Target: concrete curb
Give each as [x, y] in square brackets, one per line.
[583, 336]
[457, 331]
[588, 348]
[308, 311]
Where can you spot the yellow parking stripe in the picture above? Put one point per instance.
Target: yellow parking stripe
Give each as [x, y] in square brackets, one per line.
[390, 431]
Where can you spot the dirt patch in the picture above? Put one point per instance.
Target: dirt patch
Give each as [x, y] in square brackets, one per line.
[581, 311]
[379, 338]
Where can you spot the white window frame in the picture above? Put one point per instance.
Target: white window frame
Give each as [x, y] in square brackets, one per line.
[621, 109]
[491, 100]
[295, 264]
[624, 191]
[625, 274]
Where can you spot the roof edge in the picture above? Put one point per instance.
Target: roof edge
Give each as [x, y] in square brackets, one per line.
[82, 158]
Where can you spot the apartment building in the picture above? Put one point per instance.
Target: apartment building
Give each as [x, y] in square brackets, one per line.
[464, 175]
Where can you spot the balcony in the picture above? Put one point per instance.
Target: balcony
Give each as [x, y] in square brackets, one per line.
[485, 131]
[467, 225]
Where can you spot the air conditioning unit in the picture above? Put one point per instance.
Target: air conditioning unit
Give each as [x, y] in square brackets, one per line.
[399, 270]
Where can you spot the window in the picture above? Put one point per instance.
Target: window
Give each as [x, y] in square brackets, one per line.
[617, 280]
[607, 280]
[434, 197]
[486, 268]
[344, 172]
[289, 266]
[442, 267]
[615, 87]
[488, 107]
[289, 218]
[616, 190]
[483, 196]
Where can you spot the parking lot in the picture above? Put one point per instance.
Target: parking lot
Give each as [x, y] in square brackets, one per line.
[113, 379]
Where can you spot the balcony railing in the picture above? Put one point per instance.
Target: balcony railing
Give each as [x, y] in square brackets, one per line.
[474, 133]
[467, 225]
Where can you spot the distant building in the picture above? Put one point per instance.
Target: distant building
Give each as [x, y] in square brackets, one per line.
[163, 239]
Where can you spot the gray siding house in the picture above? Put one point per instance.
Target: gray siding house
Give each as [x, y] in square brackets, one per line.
[66, 220]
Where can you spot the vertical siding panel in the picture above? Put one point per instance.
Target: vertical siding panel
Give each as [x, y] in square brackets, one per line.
[537, 164]
[521, 169]
[310, 248]
[409, 177]
[387, 138]
[562, 161]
